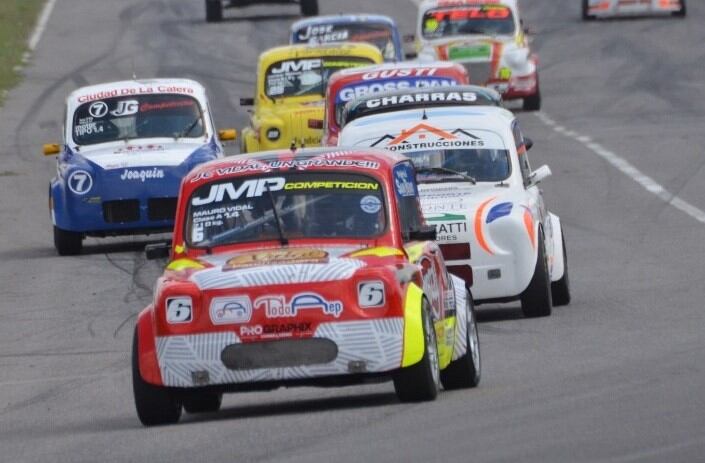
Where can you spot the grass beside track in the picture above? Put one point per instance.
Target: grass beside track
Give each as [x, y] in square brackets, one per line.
[17, 19]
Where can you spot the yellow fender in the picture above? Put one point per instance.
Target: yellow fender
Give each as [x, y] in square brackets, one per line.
[250, 144]
[414, 346]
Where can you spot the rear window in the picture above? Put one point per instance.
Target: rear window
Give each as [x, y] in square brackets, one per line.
[379, 35]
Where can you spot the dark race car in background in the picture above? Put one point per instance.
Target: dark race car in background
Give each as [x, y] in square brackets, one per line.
[214, 8]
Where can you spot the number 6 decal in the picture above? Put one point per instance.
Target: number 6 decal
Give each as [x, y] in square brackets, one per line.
[370, 294]
[80, 182]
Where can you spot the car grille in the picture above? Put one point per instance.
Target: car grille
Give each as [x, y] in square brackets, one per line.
[279, 354]
[121, 211]
[161, 208]
[479, 73]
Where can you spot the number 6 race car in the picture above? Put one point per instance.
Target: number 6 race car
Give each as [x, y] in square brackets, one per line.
[477, 187]
[593, 9]
[309, 268]
[127, 146]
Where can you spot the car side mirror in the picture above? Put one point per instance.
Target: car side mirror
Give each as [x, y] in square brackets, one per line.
[157, 250]
[315, 124]
[247, 101]
[540, 174]
[423, 233]
[50, 149]
[227, 134]
[528, 143]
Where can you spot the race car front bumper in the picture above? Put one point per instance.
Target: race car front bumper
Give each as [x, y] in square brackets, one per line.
[335, 349]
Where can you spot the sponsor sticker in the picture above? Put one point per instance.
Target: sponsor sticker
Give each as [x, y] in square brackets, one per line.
[234, 309]
[370, 204]
[277, 257]
[142, 174]
[98, 109]
[179, 310]
[276, 306]
[80, 182]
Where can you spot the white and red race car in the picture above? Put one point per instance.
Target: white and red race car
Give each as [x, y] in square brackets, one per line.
[488, 38]
[476, 186]
[609, 8]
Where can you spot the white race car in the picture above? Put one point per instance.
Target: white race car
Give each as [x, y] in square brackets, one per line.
[488, 38]
[609, 8]
[477, 187]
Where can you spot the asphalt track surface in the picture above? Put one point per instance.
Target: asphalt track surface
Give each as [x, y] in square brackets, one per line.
[616, 376]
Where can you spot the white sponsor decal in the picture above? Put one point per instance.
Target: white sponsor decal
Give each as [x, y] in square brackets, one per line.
[98, 109]
[126, 108]
[179, 310]
[142, 174]
[370, 204]
[80, 182]
[468, 97]
[249, 188]
[236, 309]
[323, 33]
[296, 66]
[370, 294]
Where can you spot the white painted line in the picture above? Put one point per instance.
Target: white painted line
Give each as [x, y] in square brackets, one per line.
[20, 382]
[41, 24]
[627, 168]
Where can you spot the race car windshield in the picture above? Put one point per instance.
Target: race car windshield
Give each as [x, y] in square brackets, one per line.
[308, 205]
[379, 35]
[137, 116]
[468, 20]
[306, 76]
[483, 165]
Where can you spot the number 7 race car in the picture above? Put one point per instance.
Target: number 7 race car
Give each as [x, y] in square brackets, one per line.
[127, 145]
[609, 8]
[309, 268]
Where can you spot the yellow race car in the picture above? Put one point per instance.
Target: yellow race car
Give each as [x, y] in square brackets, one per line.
[291, 85]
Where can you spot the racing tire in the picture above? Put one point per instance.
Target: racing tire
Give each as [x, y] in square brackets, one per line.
[536, 299]
[204, 402]
[309, 7]
[155, 405]
[560, 290]
[586, 16]
[533, 102]
[465, 371]
[67, 243]
[682, 12]
[214, 11]
[421, 382]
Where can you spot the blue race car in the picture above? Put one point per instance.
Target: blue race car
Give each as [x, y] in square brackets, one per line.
[127, 145]
[378, 30]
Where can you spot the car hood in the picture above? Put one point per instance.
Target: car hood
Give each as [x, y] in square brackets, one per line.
[273, 266]
[122, 155]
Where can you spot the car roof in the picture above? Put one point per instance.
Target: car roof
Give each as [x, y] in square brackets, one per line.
[311, 159]
[342, 19]
[136, 87]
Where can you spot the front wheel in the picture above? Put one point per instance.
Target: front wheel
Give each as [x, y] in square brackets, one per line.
[67, 243]
[681, 13]
[214, 11]
[536, 298]
[586, 15]
[532, 102]
[464, 372]
[421, 382]
[155, 404]
[309, 7]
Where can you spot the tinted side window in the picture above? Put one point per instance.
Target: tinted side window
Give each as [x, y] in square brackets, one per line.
[521, 151]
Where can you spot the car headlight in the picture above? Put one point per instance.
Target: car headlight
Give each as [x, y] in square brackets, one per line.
[273, 134]
[370, 294]
[179, 309]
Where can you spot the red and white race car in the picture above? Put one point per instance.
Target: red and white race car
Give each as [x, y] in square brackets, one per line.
[301, 268]
[488, 38]
[609, 8]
